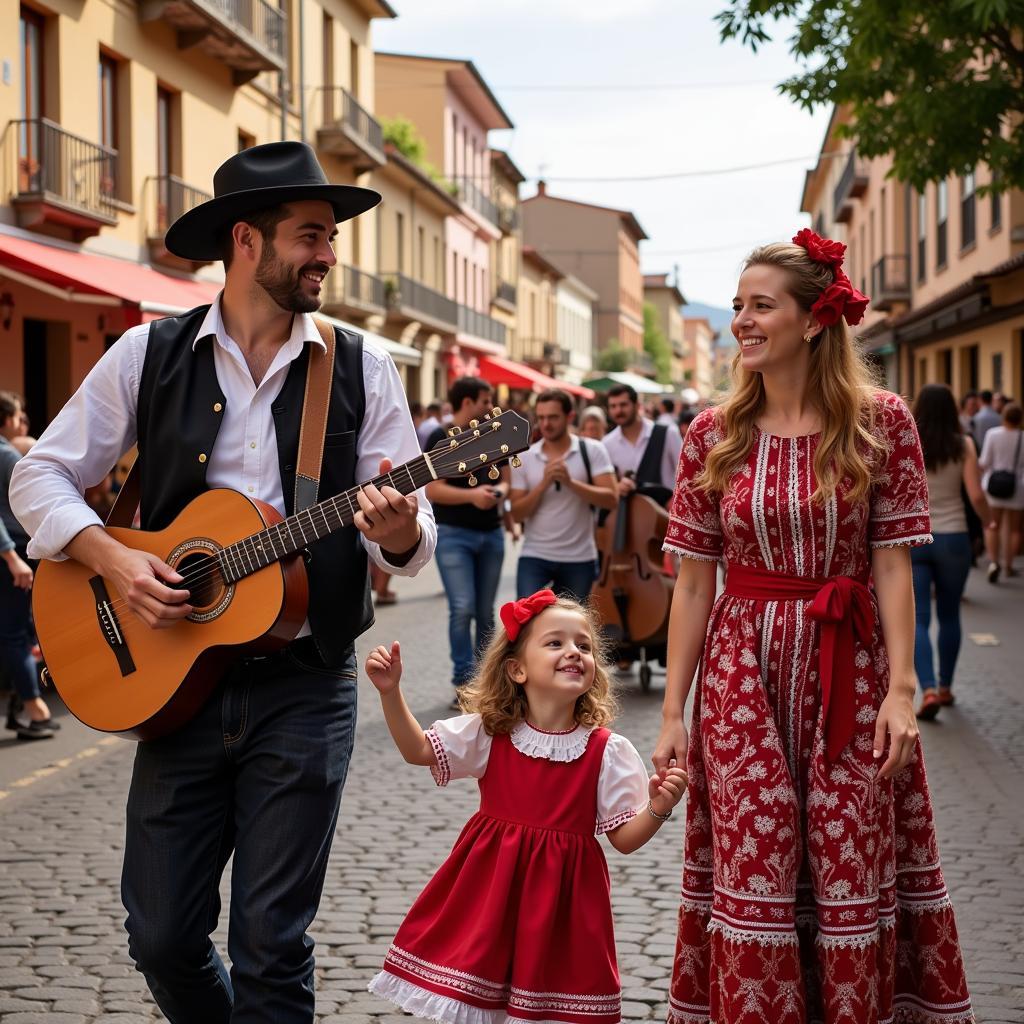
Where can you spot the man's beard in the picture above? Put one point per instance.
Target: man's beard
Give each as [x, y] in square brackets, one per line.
[284, 285]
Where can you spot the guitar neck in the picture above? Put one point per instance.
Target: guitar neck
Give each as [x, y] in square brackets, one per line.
[259, 550]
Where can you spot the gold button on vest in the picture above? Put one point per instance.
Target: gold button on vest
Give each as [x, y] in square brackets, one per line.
[202, 457]
[217, 407]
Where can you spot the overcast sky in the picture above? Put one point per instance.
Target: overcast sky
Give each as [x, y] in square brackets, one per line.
[729, 114]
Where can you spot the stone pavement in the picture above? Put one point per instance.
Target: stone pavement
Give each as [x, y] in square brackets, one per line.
[62, 946]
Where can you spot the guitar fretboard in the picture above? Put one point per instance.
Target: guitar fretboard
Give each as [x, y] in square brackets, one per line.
[259, 550]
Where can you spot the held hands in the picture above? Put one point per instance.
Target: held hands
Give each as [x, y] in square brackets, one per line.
[555, 472]
[384, 667]
[387, 517]
[671, 746]
[895, 718]
[484, 497]
[666, 788]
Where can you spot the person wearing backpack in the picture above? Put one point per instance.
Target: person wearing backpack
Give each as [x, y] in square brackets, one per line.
[1002, 462]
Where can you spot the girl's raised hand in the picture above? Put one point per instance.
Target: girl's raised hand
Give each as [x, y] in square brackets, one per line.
[384, 667]
[666, 788]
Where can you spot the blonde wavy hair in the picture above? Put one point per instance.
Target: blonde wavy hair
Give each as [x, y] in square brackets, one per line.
[840, 378]
[501, 702]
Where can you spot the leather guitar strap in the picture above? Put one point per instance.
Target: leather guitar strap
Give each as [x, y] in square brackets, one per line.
[314, 419]
[315, 403]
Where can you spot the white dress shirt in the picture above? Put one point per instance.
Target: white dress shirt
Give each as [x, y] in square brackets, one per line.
[626, 457]
[98, 425]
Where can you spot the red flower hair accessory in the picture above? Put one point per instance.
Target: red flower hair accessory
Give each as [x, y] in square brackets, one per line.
[840, 298]
[517, 614]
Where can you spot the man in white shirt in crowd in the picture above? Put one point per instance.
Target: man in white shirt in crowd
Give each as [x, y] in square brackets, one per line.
[645, 455]
[429, 423]
[554, 493]
[667, 412]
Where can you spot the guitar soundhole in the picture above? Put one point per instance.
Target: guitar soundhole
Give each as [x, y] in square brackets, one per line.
[209, 593]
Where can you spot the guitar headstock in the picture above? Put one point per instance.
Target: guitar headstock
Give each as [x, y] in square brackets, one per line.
[483, 446]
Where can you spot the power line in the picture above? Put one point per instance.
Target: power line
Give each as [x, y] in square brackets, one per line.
[596, 87]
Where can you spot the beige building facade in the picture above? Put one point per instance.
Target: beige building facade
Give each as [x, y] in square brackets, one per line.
[600, 246]
[506, 251]
[699, 362]
[574, 328]
[667, 299]
[944, 269]
[115, 119]
[536, 344]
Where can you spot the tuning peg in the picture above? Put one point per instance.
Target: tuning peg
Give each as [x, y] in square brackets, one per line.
[451, 431]
[476, 433]
[493, 473]
[516, 462]
[474, 424]
[496, 425]
[456, 430]
[472, 480]
[495, 411]
[462, 467]
[504, 449]
[453, 443]
[483, 456]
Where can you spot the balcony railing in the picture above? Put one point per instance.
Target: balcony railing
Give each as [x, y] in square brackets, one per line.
[476, 200]
[555, 353]
[480, 325]
[354, 289]
[852, 184]
[417, 301]
[890, 281]
[508, 218]
[172, 197]
[61, 178]
[642, 362]
[247, 35]
[505, 292]
[349, 130]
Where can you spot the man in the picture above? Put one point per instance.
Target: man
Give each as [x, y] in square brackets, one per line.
[667, 413]
[645, 455]
[561, 480]
[470, 537]
[27, 713]
[214, 398]
[969, 405]
[429, 424]
[984, 419]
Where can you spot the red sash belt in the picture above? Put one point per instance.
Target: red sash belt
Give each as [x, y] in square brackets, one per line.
[843, 607]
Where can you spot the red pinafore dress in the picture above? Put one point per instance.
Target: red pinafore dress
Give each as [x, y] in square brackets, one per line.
[517, 922]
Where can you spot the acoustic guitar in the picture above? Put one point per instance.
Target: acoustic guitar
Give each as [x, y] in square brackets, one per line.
[241, 564]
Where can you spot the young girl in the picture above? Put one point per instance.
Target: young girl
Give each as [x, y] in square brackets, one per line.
[517, 922]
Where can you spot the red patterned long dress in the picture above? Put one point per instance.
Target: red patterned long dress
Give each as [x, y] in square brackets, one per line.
[810, 892]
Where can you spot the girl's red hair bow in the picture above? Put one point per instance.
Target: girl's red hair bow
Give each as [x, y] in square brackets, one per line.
[517, 614]
[840, 298]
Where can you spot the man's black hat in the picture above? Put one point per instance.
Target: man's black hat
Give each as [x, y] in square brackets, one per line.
[279, 172]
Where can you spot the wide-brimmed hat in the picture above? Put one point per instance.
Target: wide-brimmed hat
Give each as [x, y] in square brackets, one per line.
[279, 172]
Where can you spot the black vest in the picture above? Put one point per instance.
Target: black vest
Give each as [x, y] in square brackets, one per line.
[180, 409]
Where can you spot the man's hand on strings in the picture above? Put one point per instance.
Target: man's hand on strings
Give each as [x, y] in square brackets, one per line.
[388, 517]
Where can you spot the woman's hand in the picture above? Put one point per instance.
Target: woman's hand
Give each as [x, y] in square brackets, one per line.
[671, 745]
[895, 718]
[666, 788]
[384, 667]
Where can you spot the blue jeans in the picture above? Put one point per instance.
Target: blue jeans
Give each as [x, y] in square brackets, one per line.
[572, 578]
[470, 565]
[945, 565]
[258, 773]
[16, 637]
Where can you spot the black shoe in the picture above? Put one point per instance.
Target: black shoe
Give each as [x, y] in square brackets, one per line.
[993, 572]
[35, 731]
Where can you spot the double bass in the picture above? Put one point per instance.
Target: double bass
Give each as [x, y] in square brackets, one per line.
[632, 594]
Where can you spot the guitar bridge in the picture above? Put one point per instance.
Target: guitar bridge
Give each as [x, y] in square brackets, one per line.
[110, 627]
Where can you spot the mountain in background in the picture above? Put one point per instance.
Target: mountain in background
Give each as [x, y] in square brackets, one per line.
[719, 318]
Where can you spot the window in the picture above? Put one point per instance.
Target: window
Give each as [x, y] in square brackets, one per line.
[996, 200]
[997, 371]
[421, 254]
[108, 101]
[922, 234]
[400, 237]
[353, 67]
[941, 222]
[245, 140]
[946, 366]
[967, 211]
[168, 199]
[327, 57]
[437, 263]
[31, 101]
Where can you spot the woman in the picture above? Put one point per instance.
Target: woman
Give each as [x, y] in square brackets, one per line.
[811, 884]
[1001, 452]
[593, 423]
[952, 465]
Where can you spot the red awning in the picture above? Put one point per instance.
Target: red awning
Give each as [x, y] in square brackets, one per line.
[83, 276]
[498, 370]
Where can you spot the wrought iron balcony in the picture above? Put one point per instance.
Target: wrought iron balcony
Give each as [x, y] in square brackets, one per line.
[408, 299]
[355, 292]
[476, 200]
[247, 35]
[556, 354]
[508, 218]
[505, 293]
[890, 281]
[641, 362]
[168, 197]
[480, 325]
[60, 182]
[852, 184]
[349, 131]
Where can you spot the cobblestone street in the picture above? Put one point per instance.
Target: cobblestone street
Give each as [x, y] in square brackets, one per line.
[63, 956]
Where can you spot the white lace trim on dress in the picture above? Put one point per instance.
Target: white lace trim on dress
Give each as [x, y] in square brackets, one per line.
[551, 746]
[422, 1003]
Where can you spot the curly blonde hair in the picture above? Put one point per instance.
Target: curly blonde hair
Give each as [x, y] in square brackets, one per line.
[501, 702]
[840, 378]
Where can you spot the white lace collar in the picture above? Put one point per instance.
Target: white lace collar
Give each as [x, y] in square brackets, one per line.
[552, 746]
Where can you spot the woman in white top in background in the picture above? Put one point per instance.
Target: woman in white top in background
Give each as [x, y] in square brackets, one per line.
[951, 463]
[1002, 452]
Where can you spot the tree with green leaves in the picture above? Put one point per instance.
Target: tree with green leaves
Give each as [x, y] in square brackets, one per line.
[938, 84]
[656, 345]
[613, 358]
